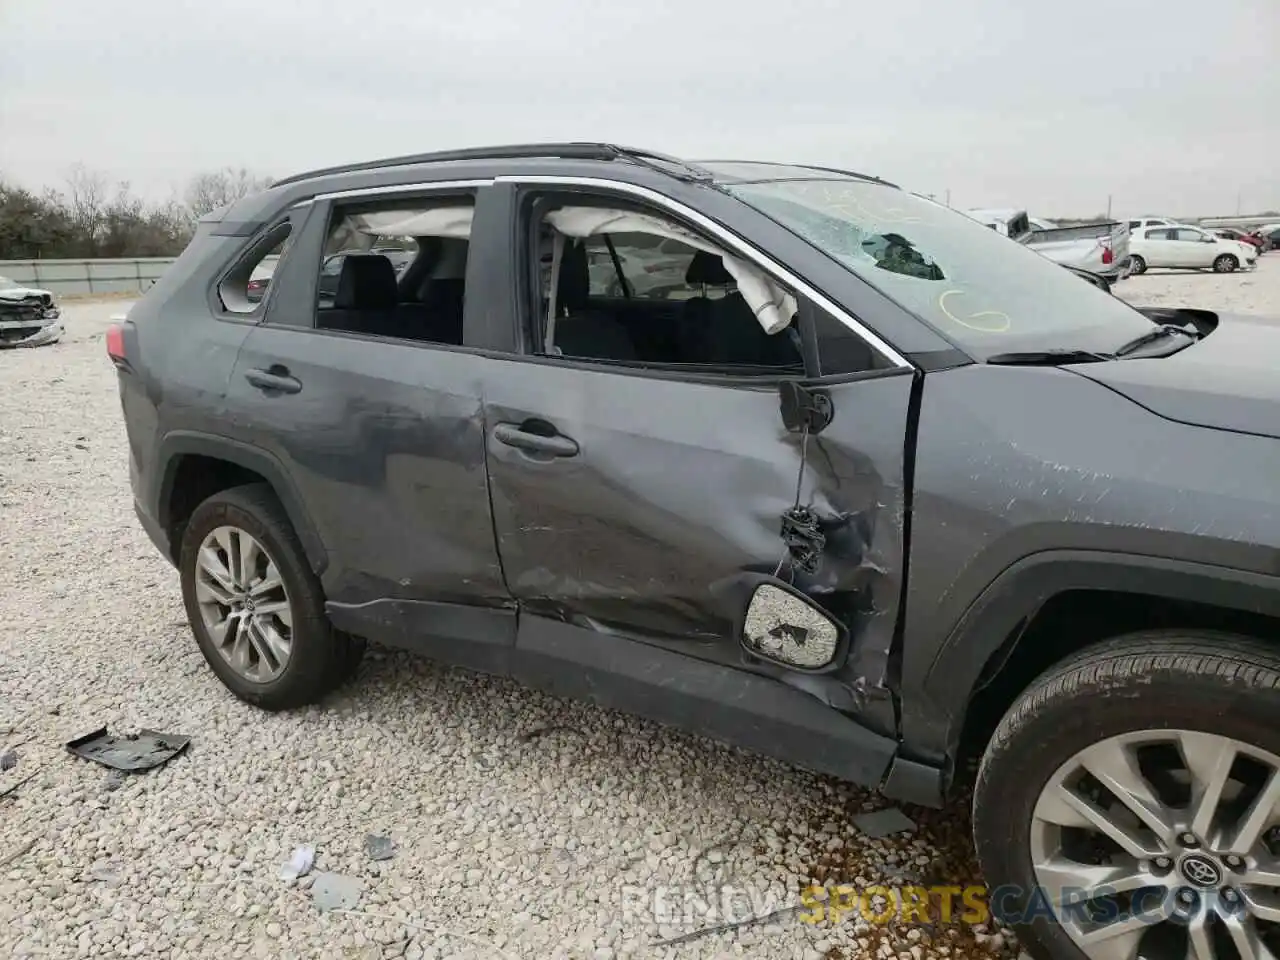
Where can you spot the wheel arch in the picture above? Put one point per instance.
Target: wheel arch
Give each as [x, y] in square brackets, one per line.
[220, 463]
[1052, 604]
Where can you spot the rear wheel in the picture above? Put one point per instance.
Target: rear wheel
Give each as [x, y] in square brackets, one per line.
[1227, 263]
[1137, 265]
[254, 604]
[1129, 803]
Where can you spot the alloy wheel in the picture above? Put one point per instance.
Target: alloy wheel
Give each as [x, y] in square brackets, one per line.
[1165, 845]
[244, 604]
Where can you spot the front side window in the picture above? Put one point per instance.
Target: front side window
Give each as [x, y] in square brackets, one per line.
[626, 285]
[649, 270]
[1191, 236]
[985, 292]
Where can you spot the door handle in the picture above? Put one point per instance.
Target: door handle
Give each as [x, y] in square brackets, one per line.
[515, 435]
[275, 379]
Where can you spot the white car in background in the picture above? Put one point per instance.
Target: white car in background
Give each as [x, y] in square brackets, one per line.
[1144, 222]
[1185, 247]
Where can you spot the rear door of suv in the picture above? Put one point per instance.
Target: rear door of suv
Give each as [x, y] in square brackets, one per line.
[380, 428]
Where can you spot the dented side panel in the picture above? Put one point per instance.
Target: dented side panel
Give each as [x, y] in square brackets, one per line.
[678, 488]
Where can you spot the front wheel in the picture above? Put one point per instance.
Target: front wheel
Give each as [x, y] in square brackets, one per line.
[1226, 264]
[1128, 804]
[1137, 265]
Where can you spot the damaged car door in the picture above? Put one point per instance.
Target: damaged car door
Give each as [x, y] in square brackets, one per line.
[638, 479]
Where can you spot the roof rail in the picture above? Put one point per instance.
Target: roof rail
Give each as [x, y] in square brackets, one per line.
[810, 166]
[558, 151]
[847, 173]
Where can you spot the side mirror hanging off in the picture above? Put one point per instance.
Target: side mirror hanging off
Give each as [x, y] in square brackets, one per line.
[784, 626]
[803, 408]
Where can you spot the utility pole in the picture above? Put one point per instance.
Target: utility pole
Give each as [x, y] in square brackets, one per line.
[1108, 206]
[948, 196]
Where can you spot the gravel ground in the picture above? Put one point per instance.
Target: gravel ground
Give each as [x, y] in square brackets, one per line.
[524, 826]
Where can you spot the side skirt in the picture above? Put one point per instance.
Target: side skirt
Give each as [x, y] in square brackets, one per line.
[708, 699]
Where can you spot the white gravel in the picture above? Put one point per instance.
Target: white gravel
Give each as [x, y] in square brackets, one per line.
[524, 826]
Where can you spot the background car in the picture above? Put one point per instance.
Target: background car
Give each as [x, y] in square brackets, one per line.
[256, 288]
[1270, 235]
[1231, 233]
[1143, 223]
[29, 317]
[1188, 248]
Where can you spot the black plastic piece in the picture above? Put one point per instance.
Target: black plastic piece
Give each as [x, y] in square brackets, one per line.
[804, 409]
[918, 783]
[131, 753]
[803, 536]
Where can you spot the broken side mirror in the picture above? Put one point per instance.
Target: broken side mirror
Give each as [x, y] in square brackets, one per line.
[804, 409]
[782, 625]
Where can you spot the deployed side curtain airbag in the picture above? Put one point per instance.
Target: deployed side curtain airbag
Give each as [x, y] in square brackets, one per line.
[772, 305]
[435, 222]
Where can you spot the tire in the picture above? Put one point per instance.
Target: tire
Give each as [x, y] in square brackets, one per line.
[1157, 681]
[1137, 265]
[320, 658]
[1227, 263]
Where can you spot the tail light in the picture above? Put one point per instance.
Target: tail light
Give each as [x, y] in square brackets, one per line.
[1107, 255]
[115, 345]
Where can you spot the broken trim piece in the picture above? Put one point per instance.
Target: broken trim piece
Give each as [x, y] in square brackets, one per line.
[132, 753]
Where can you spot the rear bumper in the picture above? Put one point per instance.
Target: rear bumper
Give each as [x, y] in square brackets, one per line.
[1116, 271]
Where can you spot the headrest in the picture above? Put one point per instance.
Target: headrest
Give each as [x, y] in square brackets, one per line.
[367, 282]
[574, 286]
[707, 268]
[452, 262]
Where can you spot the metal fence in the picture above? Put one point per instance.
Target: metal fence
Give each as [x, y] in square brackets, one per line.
[87, 277]
[65, 277]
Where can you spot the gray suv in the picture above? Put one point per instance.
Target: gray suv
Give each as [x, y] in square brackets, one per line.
[878, 492]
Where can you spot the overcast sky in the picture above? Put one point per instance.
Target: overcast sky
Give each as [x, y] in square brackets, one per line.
[1045, 104]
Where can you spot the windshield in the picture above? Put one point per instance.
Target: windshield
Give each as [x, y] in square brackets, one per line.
[6, 284]
[985, 292]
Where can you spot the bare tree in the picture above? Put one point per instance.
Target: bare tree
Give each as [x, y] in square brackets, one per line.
[209, 191]
[86, 200]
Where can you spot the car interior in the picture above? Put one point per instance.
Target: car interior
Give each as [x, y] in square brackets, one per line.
[669, 304]
[423, 301]
[629, 297]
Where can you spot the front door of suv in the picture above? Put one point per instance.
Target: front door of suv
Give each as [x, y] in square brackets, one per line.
[628, 498]
[381, 430]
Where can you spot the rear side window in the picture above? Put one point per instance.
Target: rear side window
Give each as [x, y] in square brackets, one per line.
[245, 286]
[396, 268]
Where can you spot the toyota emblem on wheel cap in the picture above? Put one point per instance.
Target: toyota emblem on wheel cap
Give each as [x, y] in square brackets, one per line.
[1201, 871]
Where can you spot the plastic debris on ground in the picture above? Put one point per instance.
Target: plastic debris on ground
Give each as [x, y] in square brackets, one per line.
[8, 760]
[379, 848]
[300, 864]
[333, 891]
[882, 823]
[131, 753]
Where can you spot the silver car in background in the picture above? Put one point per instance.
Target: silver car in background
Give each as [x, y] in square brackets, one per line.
[29, 317]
